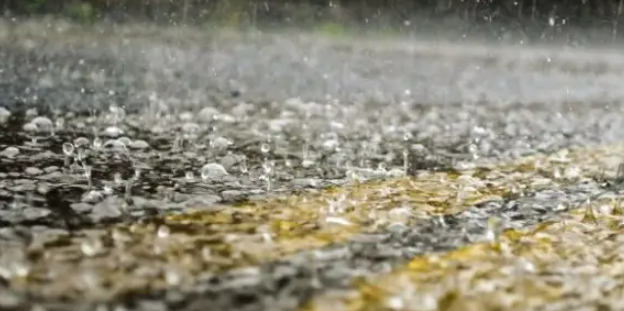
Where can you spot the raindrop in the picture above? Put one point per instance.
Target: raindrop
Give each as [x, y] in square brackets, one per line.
[97, 143]
[125, 141]
[493, 227]
[118, 113]
[473, 149]
[243, 165]
[163, 231]
[173, 277]
[139, 144]
[330, 145]
[220, 143]
[117, 178]
[307, 163]
[338, 221]
[265, 148]
[189, 176]
[60, 124]
[43, 124]
[81, 142]
[128, 192]
[113, 131]
[212, 171]
[206, 253]
[29, 127]
[87, 174]
[92, 196]
[405, 161]
[91, 247]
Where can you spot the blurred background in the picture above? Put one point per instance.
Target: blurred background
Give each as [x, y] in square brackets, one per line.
[526, 20]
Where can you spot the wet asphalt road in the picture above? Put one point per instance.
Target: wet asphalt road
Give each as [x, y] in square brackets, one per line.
[279, 113]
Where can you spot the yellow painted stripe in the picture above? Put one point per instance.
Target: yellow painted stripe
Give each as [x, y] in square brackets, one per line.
[143, 256]
[578, 262]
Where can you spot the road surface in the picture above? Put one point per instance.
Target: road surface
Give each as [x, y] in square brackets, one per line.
[168, 169]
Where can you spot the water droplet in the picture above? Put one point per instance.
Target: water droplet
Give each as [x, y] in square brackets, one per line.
[173, 277]
[493, 227]
[91, 247]
[60, 123]
[265, 148]
[81, 142]
[43, 124]
[118, 179]
[29, 127]
[113, 131]
[330, 145]
[206, 253]
[220, 143]
[124, 140]
[92, 196]
[118, 113]
[474, 151]
[139, 144]
[243, 165]
[307, 163]
[87, 171]
[163, 231]
[338, 221]
[189, 176]
[212, 171]
[97, 142]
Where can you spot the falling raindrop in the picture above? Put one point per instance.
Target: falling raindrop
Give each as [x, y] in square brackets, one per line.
[87, 174]
[118, 113]
[206, 253]
[243, 165]
[405, 161]
[117, 178]
[474, 151]
[97, 143]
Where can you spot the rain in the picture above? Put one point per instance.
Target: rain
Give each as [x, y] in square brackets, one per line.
[310, 155]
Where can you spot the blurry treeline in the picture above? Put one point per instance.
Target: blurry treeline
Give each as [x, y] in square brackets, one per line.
[391, 13]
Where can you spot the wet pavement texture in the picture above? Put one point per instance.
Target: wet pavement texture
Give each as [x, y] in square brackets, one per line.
[107, 135]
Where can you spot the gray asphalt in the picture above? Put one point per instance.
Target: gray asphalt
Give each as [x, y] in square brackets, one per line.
[325, 108]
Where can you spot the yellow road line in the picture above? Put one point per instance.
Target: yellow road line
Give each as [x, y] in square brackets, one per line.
[572, 263]
[122, 259]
